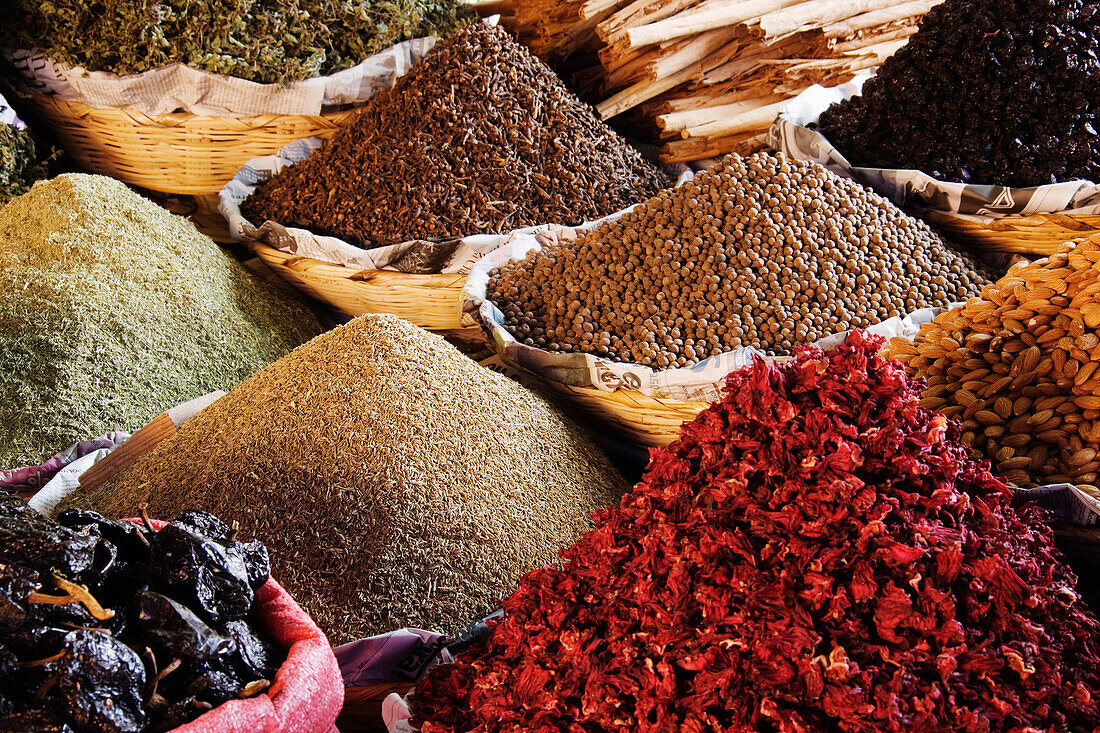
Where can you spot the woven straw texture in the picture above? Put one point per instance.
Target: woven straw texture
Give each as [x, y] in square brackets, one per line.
[1039, 234]
[177, 153]
[433, 302]
[636, 418]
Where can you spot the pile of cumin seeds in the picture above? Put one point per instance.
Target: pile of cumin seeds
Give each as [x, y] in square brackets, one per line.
[396, 482]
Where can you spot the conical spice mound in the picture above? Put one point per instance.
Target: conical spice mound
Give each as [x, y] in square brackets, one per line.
[395, 481]
[479, 137]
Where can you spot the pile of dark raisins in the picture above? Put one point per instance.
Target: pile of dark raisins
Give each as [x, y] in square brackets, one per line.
[989, 92]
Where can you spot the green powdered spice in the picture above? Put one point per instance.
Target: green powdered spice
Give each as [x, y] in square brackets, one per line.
[22, 161]
[112, 310]
[395, 482]
[265, 41]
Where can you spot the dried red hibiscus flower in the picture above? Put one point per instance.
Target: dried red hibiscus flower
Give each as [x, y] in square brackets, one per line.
[816, 553]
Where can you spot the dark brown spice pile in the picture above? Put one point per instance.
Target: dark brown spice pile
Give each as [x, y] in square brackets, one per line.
[996, 92]
[396, 482]
[480, 137]
[759, 251]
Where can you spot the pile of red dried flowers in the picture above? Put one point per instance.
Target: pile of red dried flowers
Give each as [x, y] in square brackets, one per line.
[816, 553]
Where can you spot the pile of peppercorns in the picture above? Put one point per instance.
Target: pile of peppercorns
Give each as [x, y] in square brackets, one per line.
[760, 251]
[993, 92]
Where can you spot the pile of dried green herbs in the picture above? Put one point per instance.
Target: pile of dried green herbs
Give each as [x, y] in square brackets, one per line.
[113, 310]
[23, 160]
[267, 41]
[395, 481]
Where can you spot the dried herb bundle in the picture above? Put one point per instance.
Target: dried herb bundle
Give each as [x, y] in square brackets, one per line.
[760, 251]
[988, 91]
[1020, 368]
[265, 41]
[22, 161]
[113, 310]
[396, 482]
[479, 137]
[816, 553]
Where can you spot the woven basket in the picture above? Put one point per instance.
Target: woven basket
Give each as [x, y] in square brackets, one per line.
[433, 302]
[177, 153]
[645, 421]
[1039, 234]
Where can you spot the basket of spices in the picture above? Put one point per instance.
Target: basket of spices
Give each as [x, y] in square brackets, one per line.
[212, 85]
[990, 134]
[636, 320]
[476, 141]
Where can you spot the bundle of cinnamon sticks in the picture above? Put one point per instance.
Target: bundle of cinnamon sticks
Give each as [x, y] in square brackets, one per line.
[706, 77]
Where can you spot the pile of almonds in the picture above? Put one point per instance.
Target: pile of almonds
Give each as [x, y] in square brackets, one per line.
[1020, 368]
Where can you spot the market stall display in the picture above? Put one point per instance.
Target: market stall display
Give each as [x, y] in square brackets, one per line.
[478, 138]
[985, 118]
[112, 309]
[396, 482]
[707, 77]
[1018, 368]
[118, 626]
[816, 552]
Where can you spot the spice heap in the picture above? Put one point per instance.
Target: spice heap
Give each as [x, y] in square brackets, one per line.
[708, 77]
[396, 482]
[1019, 368]
[267, 41]
[111, 626]
[988, 91]
[815, 553]
[760, 251]
[479, 137]
[113, 310]
[22, 160]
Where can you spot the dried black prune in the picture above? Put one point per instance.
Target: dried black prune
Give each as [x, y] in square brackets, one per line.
[33, 721]
[131, 539]
[16, 584]
[211, 577]
[998, 92]
[257, 657]
[172, 627]
[28, 542]
[178, 713]
[217, 684]
[258, 562]
[100, 683]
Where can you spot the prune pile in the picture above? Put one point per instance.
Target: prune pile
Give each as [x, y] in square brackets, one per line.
[761, 251]
[110, 626]
[989, 91]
